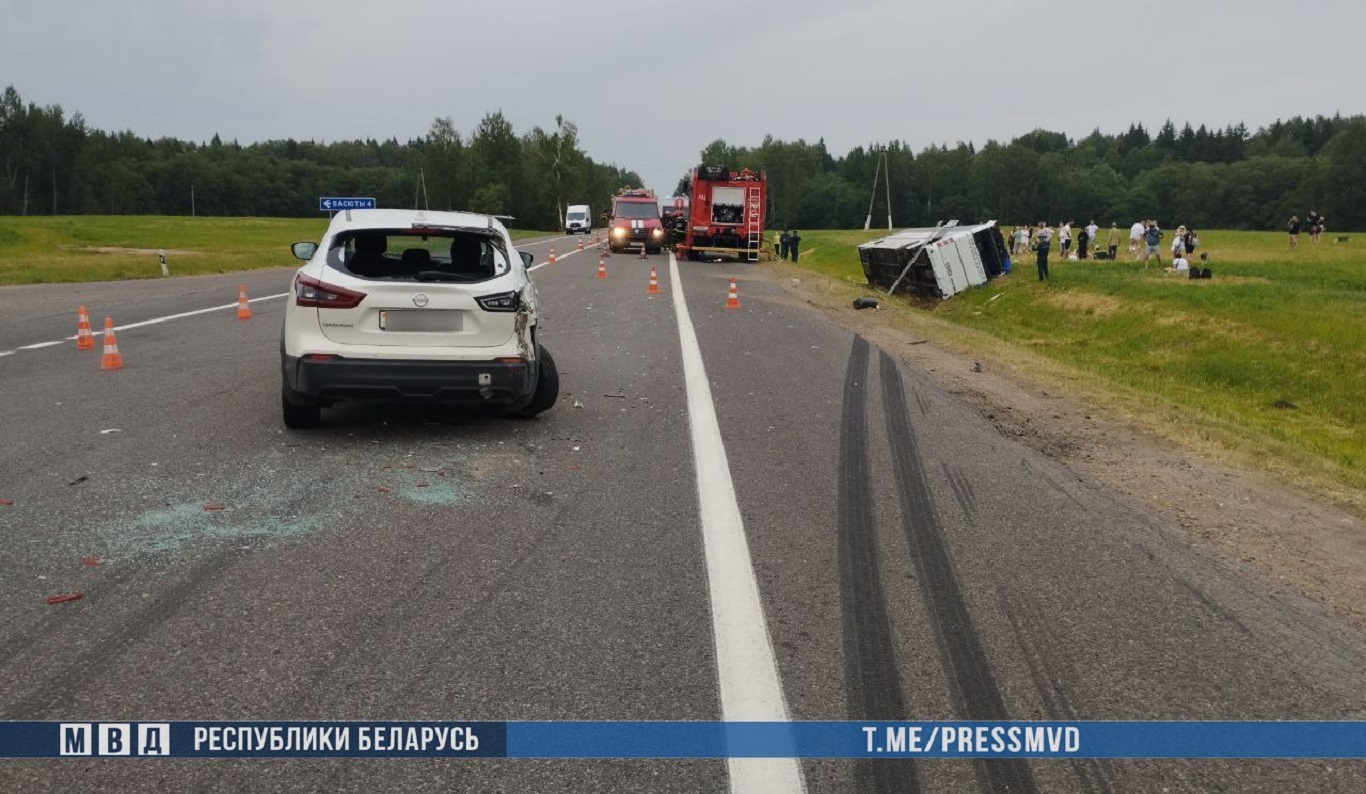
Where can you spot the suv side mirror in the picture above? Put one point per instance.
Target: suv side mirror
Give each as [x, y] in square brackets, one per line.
[304, 251]
[526, 258]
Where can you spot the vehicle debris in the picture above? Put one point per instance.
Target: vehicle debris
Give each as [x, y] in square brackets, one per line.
[62, 599]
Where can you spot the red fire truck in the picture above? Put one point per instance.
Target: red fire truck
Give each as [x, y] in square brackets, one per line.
[635, 221]
[725, 214]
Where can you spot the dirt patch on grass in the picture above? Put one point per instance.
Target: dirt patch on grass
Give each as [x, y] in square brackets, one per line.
[1301, 541]
[1092, 303]
[107, 249]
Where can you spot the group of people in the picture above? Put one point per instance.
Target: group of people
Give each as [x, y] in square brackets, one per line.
[1088, 239]
[1314, 225]
[1145, 242]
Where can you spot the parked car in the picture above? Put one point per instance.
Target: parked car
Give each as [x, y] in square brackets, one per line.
[413, 306]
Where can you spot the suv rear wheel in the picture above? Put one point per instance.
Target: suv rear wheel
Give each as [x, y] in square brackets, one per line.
[547, 388]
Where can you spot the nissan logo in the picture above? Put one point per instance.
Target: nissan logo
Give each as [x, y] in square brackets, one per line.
[420, 299]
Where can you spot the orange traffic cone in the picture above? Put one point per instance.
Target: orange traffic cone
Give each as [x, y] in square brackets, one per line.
[84, 339]
[112, 358]
[733, 299]
[580, 245]
[602, 267]
[642, 250]
[552, 255]
[243, 309]
[654, 282]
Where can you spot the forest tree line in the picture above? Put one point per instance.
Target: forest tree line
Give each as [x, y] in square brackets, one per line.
[52, 164]
[1225, 178]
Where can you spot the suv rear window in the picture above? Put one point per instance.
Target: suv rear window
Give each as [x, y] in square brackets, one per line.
[419, 255]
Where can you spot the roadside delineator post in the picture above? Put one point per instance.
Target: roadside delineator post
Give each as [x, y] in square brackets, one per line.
[84, 339]
[243, 308]
[733, 299]
[654, 282]
[112, 359]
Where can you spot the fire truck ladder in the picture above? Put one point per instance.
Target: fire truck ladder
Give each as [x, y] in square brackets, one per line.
[754, 230]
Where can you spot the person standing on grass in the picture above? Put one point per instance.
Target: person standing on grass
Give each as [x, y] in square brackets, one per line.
[794, 242]
[1179, 243]
[783, 242]
[1294, 228]
[1311, 225]
[1064, 239]
[1136, 237]
[1083, 240]
[1151, 239]
[1112, 241]
[1092, 232]
[1043, 239]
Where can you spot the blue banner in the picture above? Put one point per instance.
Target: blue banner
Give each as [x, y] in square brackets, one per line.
[456, 739]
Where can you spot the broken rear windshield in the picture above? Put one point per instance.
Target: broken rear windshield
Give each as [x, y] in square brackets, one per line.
[419, 255]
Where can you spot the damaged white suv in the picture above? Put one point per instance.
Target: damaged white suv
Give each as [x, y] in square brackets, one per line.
[413, 306]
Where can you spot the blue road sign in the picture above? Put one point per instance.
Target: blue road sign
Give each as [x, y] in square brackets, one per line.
[336, 204]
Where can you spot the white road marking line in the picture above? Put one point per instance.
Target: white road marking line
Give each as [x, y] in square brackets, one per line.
[566, 256]
[152, 321]
[747, 669]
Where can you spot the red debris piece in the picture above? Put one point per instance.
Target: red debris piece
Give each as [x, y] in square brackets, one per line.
[91, 561]
[382, 490]
[212, 506]
[7, 502]
[424, 485]
[62, 599]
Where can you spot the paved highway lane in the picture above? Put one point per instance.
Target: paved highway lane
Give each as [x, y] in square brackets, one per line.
[910, 561]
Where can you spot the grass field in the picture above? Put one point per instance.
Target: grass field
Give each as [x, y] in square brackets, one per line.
[1268, 356]
[39, 250]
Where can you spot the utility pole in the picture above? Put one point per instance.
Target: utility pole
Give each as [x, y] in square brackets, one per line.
[877, 171]
[887, 168]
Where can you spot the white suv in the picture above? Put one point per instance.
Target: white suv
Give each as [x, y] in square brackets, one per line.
[412, 306]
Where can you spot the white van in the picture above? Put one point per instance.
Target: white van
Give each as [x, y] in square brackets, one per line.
[578, 219]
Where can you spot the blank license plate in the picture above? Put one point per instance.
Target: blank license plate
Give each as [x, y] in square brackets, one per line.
[434, 321]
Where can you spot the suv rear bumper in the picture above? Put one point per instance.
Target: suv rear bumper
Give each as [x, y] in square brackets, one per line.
[378, 380]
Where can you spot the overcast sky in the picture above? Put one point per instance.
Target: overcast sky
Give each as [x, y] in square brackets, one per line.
[651, 83]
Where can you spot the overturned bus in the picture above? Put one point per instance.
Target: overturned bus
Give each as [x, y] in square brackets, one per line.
[935, 263]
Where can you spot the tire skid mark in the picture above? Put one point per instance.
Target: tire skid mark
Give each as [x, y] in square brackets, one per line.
[56, 622]
[60, 689]
[968, 671]
[1050, 671]
[962, 489]
[1037, 473]
[873, 685]
[922, 401]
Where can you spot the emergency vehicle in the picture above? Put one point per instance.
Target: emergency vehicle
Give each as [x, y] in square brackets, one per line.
[635, 222]
[725, 214]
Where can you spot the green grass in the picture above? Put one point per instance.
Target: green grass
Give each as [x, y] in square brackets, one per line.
[1271, 328]
[62, 249]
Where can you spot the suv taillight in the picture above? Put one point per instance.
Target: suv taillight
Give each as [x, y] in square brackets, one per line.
[311, 292]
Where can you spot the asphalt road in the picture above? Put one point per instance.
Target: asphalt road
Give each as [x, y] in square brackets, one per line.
[910, 561]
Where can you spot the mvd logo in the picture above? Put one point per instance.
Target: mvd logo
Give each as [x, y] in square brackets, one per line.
[115, 738]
